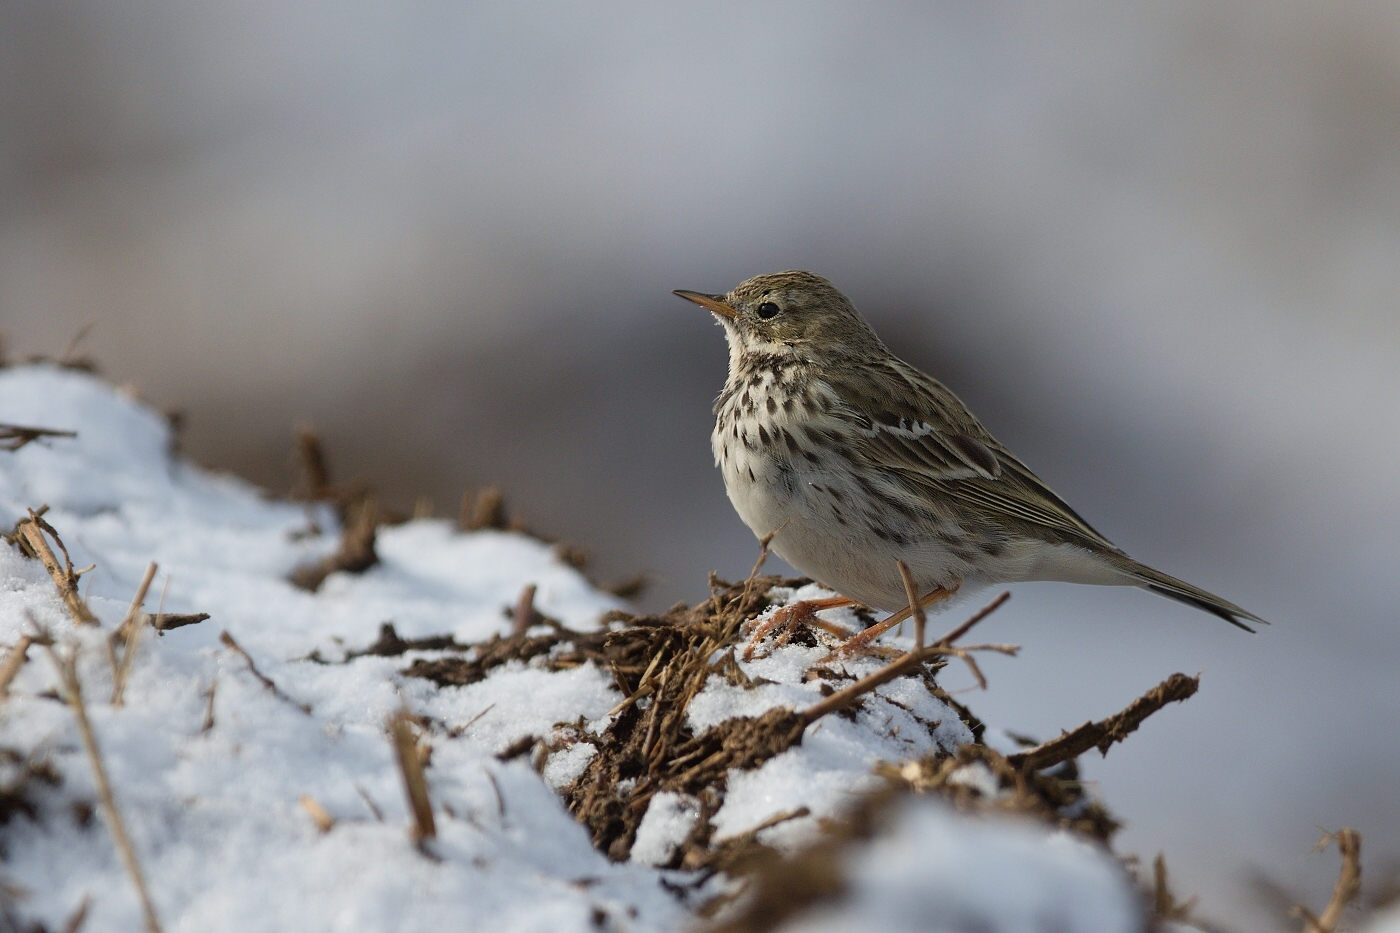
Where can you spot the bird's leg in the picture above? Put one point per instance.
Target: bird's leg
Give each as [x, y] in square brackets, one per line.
[911, 593]
[862, 641]
[792, 618]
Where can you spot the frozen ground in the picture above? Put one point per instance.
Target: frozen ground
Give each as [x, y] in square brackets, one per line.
[213, 804]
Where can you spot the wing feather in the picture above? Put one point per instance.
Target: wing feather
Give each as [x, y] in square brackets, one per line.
[914, 429]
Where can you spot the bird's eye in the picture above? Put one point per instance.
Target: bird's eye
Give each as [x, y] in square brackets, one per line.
[767, 310]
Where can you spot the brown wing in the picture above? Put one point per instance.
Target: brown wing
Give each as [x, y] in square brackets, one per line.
[912, 426]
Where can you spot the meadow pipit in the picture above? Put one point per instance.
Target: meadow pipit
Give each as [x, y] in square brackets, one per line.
[858, 461]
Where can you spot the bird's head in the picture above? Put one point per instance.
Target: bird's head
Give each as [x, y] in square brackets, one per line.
[789, 314]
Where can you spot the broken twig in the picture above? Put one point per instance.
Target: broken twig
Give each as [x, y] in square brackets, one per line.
[487, 509]
[14, 537]
[208, 722]
[356, 553]
[455, 731]
[228, 641]
[763, 543]
[1165, 907]
[137, 601]
[1104, 733]
[323, 820]
[1347, 887]
[13, 662]
[165, 622]
[414, 783]
[524, 614]
[15, 436]
[311, 458]
[369, 802]
[908, 662]
[64, 577]
[68, 358]
[129, 631]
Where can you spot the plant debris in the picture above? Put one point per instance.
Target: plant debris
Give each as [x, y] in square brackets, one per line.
[165, 622]
[523, 616]
[1102, 735]
[1042, 784]
[390, 645]
[355, 554]
[659, 663]
[128, 635]
[323, 820]
[1165, 907]
[314, 481]
[14, 660]
[66, 666]
[68, 359]
[263, 679]
[835, 871]
[485, 509]
[1347, 887]
[560, 649]
[354, 504]
[30, 531]
[694, 766]
[977, 778]
[667, 659]
[15, 436]
[409, 755]
[642, 753]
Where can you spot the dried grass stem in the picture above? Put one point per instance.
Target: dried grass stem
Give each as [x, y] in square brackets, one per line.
[272, 688]
[32, 532]
[414, 783]
[67, 669]
[13, 662]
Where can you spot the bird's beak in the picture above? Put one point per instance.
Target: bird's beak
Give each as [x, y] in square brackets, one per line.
[714, 303]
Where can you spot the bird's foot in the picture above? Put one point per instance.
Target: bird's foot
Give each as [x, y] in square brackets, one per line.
[789, 620]
[862, 643]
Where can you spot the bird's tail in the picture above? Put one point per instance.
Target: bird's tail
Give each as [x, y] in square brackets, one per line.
[1158, 582]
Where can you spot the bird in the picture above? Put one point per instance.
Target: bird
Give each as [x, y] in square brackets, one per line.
[861, 471]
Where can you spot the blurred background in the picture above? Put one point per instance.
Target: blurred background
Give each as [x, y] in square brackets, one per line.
[1155, 247]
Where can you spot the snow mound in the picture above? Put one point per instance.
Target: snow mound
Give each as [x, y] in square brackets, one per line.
[906, 864]
[218, 777]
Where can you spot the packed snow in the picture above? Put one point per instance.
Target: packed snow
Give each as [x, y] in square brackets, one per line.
[214, 804]
[934, 871]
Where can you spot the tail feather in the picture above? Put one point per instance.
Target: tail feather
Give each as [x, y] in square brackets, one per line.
[1181, 591]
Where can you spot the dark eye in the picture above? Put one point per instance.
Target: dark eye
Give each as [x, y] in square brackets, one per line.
[767, 310]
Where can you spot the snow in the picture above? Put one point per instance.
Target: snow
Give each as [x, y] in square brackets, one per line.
[934, 871]
[215, 815]
[667, 823]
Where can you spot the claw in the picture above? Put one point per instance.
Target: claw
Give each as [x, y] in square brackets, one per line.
[791, 620]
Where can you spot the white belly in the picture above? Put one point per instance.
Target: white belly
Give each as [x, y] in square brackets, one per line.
[824, 526]
[830, 530]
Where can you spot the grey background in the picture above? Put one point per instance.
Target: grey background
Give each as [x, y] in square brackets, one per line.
[1154, 247]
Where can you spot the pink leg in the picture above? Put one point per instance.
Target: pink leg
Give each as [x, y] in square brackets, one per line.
[794, 617]
[860, 644]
